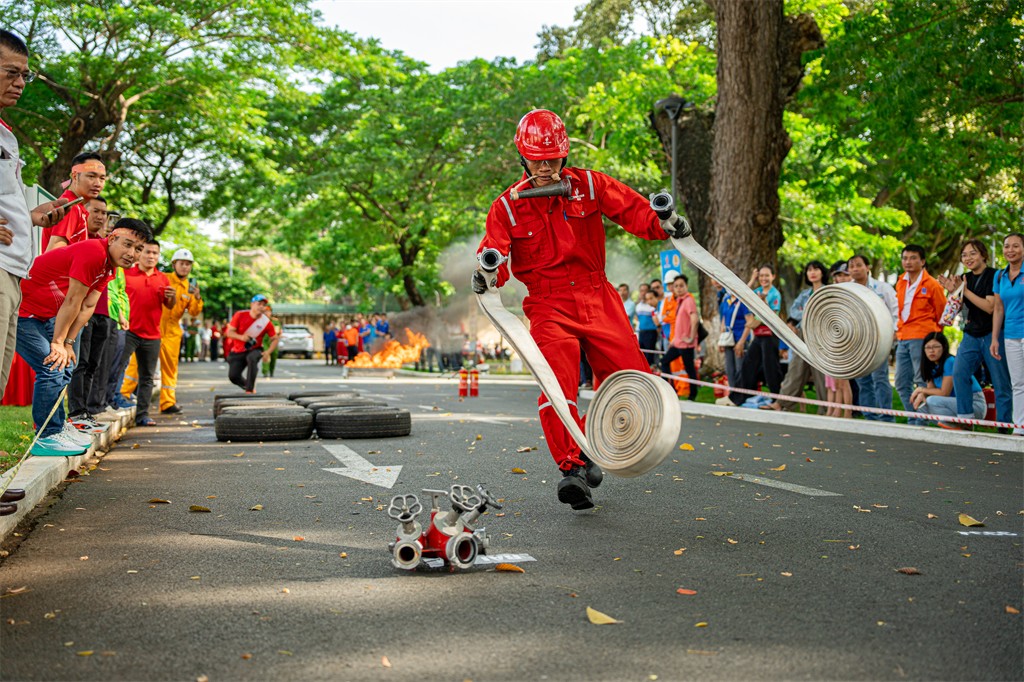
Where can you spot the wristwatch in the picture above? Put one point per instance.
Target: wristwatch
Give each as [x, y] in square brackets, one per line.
[69, 342]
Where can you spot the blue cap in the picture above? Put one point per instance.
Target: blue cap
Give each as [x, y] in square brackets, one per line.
[258, 297]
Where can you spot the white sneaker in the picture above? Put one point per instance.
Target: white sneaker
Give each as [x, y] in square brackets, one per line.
[725, 401]
[71, 434]
[55, 446]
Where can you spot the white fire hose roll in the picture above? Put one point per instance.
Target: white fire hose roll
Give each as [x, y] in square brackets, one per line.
[633, 422]
[847, 329]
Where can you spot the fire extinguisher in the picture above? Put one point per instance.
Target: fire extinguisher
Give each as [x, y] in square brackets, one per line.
[474, 383]
[463, 382]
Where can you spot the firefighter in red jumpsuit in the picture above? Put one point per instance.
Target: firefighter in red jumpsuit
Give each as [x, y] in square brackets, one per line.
[556, 247]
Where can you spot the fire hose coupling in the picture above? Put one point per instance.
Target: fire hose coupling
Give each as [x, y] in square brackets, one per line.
[407, 554]
[491, 259]
[462, 550]
[664, 206]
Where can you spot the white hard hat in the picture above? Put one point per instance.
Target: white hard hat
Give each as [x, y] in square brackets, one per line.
[671, 276]
[183, 254]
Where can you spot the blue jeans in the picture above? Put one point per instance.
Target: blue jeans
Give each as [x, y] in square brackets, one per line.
[876, 391]
[972, 352]
[33, 346]
[908, 372]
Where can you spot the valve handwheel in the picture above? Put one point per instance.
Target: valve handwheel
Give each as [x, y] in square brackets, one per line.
[463, 498]
[404, 508]
[485, 495]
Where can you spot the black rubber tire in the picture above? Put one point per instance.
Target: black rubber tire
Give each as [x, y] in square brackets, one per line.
[218, 408]
[263, 409]
[339, 403]
[249, 396]
[340, 395]
[316, 393]
[253, 425]
[363, 422]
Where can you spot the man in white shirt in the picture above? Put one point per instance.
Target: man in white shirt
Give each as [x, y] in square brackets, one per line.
[16, 220]
[874, 389]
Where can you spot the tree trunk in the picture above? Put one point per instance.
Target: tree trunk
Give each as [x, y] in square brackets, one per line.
[750, 142]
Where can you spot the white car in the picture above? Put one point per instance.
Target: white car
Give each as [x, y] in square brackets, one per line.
[296, 338]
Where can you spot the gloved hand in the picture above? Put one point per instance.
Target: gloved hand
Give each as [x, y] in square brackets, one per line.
[479, 282]
[677, 226]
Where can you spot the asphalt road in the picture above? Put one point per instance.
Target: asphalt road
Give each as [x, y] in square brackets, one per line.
[789, 583]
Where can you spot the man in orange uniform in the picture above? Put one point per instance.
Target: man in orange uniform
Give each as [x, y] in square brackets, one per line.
[557, 249]
[187, 300]
[920, 300]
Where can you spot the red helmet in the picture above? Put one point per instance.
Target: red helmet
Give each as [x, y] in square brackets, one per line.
[541, 135]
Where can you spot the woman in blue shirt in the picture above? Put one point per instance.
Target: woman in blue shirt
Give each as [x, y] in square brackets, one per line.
[734, 318]
[937, 396]
[1008, 318]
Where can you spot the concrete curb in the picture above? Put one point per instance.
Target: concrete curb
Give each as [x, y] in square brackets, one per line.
[39, 475]
[921, 434]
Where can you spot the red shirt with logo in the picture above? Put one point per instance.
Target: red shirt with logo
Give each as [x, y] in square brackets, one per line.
[241, 321]
[46, 286]
[145, 296]
[73, 226]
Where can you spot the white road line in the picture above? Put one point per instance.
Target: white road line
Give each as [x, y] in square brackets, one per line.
[791, 487]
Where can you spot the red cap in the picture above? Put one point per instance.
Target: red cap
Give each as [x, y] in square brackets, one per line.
[541, 135]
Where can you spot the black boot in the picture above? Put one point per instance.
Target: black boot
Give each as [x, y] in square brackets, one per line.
[573, 489]
[593, 472]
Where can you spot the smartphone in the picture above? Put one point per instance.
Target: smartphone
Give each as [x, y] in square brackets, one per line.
[73, 202]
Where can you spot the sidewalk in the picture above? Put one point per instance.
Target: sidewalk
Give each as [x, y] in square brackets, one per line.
[39, 475]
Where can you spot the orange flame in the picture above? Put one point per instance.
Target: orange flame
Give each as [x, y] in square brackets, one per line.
[394, 354]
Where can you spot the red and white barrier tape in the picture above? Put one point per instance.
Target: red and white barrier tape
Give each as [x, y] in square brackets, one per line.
[824, 403]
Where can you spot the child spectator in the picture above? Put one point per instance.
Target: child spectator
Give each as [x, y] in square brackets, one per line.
[938, 395]
[648, 327]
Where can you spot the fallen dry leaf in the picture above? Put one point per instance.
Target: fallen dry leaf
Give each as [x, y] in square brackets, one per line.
[732, 542]
[908, 570]
[84, 653]
[525, 448]
[966, 520]
[787, 574]
[238, 454]
[157, 500]
[135, 446]
[198, 508]
[598, 618]
[298, 538]
[679, 551]
[880, 506]
[246, 657]
[683, 590]
[747, 445]
[701, 624]
[385, 662]
[518, 470]
[256, 507]
[932, 516]
[721, 473]
[509, 568]
[781, 467]
[343, 555]
[686, 446]
[1010, 609]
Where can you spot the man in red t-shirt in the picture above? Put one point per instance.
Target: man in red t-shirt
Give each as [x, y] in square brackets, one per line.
[88, 176]
[149, 292]
[58, 298]
[243, 342]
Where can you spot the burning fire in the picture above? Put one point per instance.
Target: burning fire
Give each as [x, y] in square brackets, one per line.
[394, 354]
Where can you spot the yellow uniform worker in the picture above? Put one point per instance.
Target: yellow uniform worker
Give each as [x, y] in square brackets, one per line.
[187, 299]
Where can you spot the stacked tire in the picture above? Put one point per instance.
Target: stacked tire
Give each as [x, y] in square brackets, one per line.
[332, 414]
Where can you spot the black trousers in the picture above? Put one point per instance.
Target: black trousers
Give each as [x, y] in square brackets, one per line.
[87, 393]
[762, 355]
[248, 362]
[689, 356]
[147, 354]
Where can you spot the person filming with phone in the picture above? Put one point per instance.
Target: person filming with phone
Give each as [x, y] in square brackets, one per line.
[187, 299]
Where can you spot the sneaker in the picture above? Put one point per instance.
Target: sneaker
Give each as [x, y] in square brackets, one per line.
[594, 475]
[145, 421]
[573, 489]
[173, 409]
[725, 401]
[86, 424]
[71, 434]
[53, 446]
[950, 426]
[122, 403]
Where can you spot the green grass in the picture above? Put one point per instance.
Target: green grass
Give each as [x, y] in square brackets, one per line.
[15, 434]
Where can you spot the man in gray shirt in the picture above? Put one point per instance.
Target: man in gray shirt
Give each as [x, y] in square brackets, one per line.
[16, 220]
[874, 388]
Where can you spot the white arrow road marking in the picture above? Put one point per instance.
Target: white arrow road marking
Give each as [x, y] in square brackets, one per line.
[361, 470]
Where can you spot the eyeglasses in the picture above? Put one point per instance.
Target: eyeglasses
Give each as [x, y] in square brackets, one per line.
[13, 75]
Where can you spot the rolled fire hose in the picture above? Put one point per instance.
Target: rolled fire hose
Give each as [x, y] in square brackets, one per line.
[847, 329]
[634, 419]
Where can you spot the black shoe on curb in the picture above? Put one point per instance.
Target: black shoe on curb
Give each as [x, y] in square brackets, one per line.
[593, 472]
[173, 409]
[573, 489]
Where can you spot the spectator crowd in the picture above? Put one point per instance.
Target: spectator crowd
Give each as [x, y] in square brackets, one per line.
[980, 310]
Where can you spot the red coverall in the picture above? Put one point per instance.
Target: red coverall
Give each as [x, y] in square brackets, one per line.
[557, 248]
